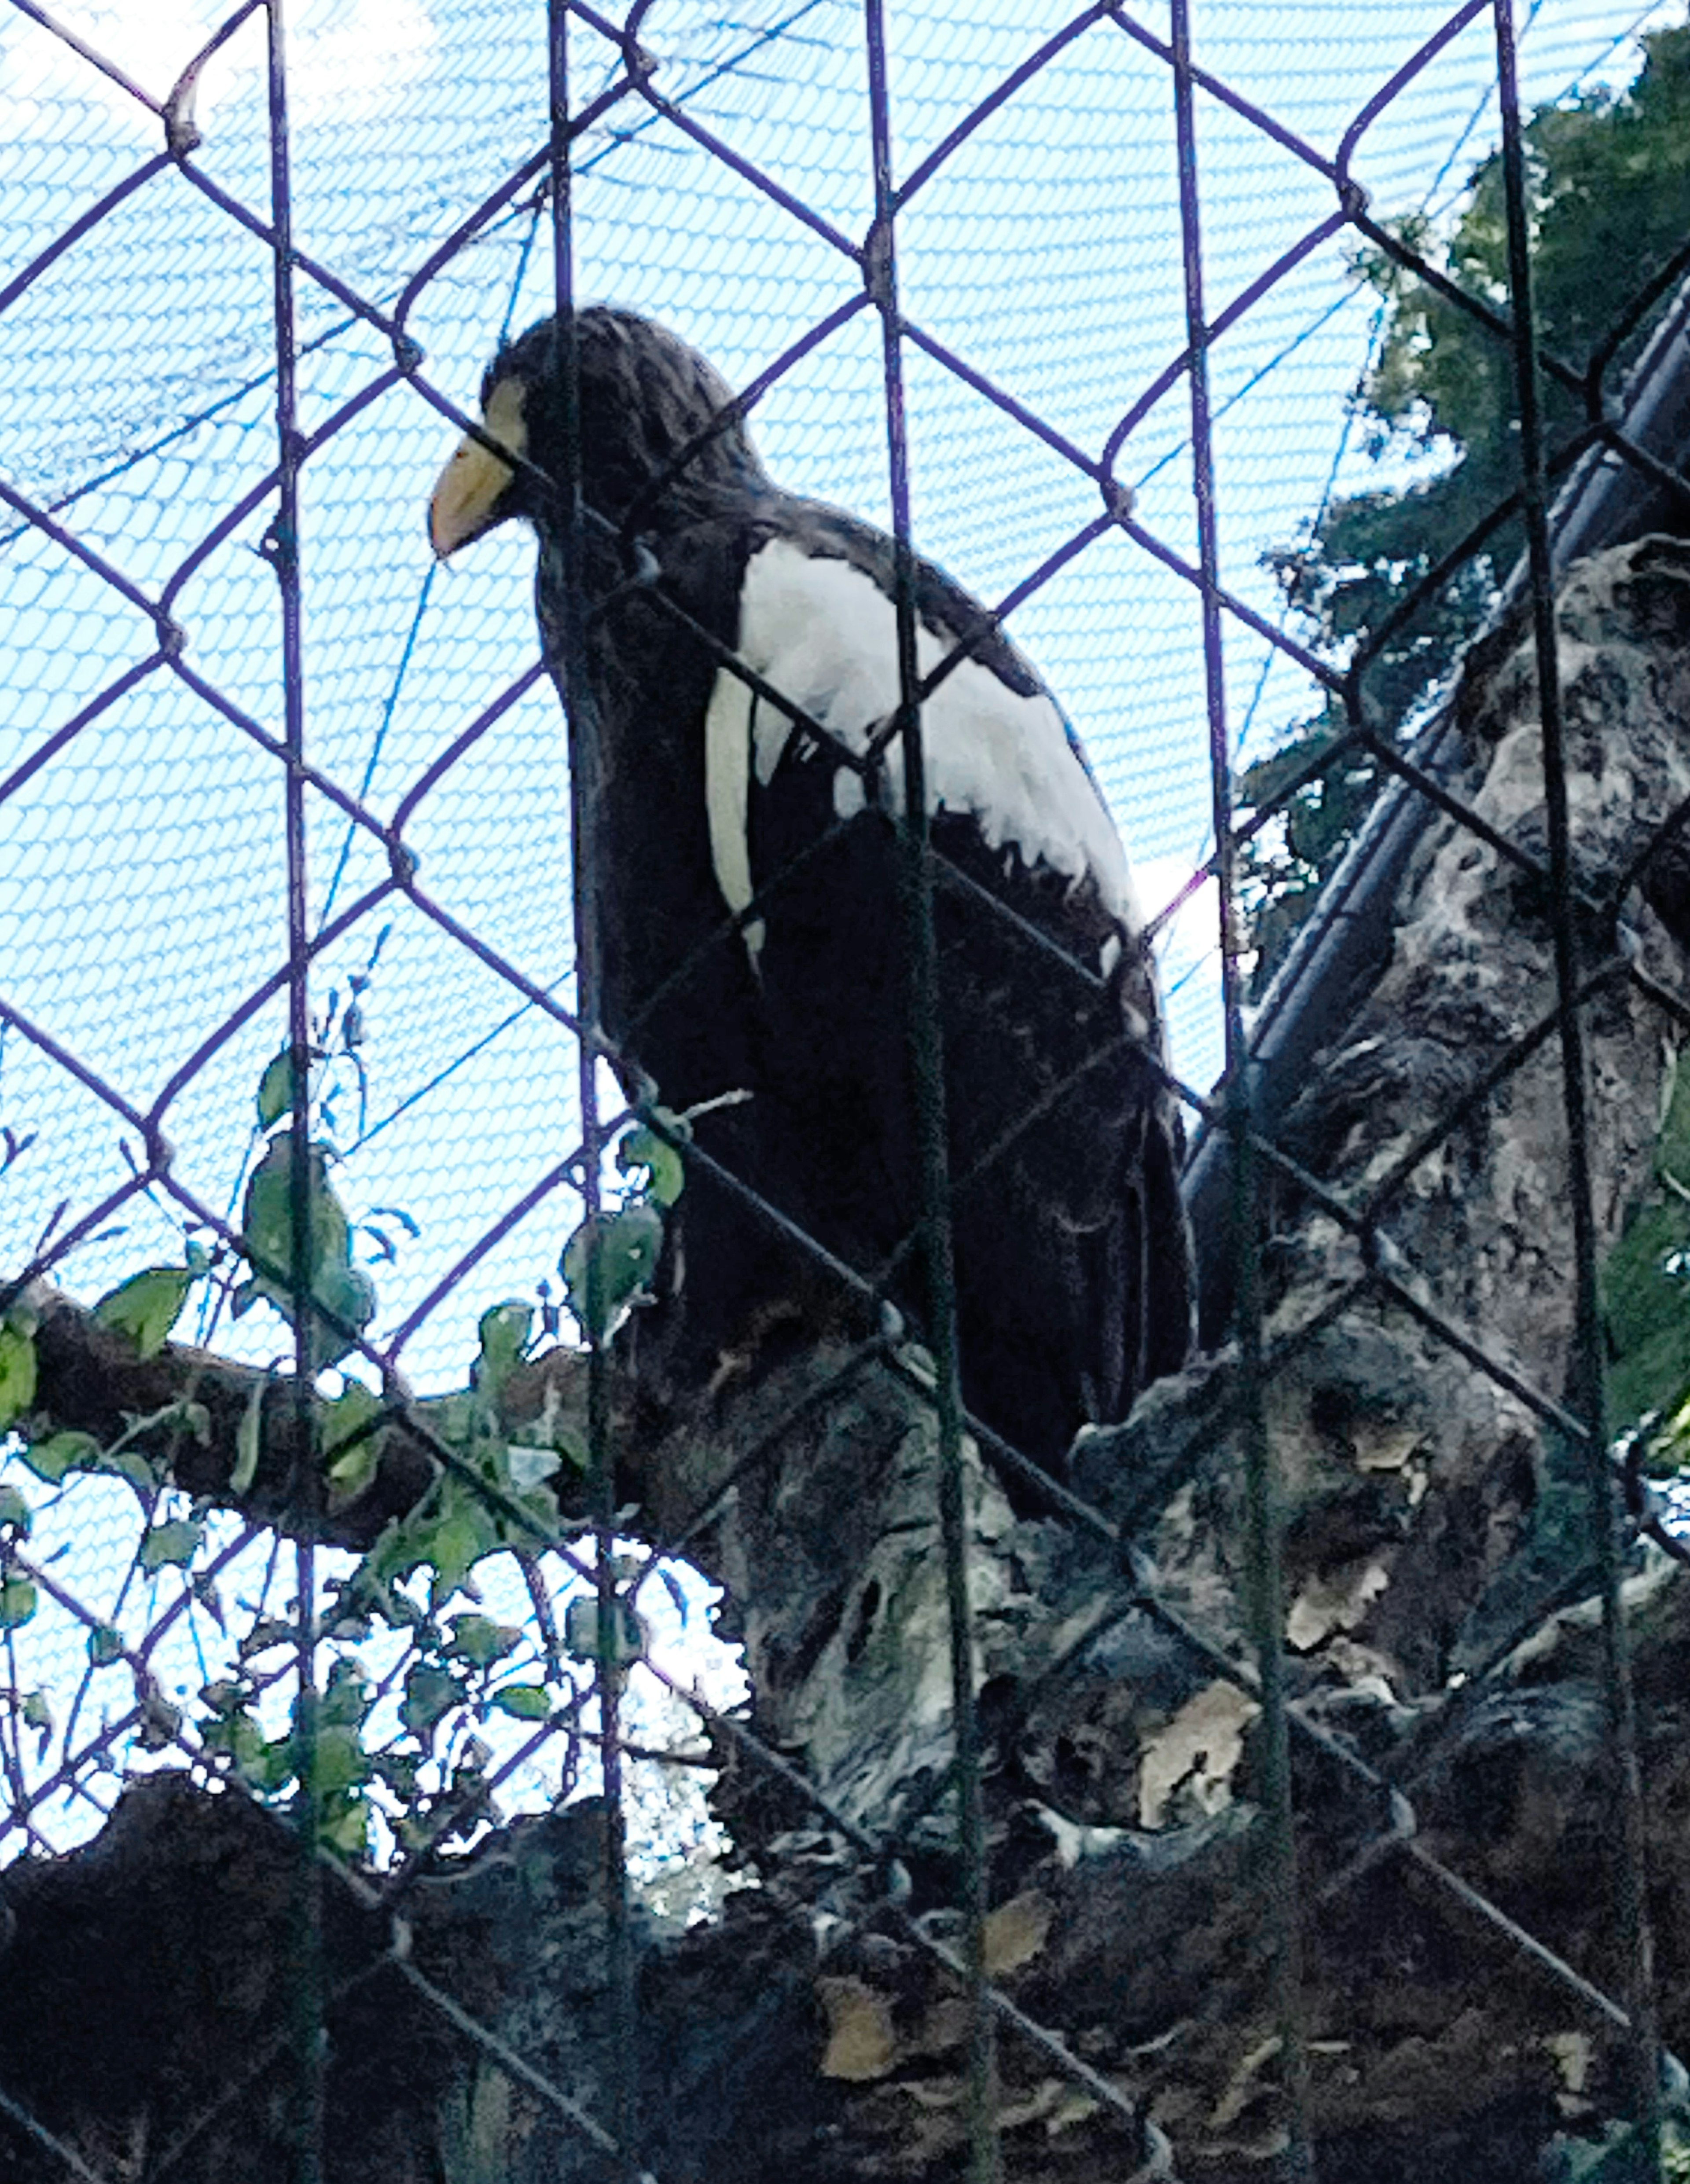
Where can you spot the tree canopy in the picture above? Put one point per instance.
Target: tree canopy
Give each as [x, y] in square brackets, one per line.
[1609, 178]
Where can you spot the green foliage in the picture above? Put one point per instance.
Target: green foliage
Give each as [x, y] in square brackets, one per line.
[1282, 869]
[149, 1305]
[1645, 1289]
[530, 1467]
[161, 1722]
[330, 1751]
[17, 1601]
[502, 1333]
[275, 1086]
[430, 1693]
[480, 1641]
[231, 1732]
[1617, 2156]
[1610, 196]
[523, 1701]
[172, 1545]
[665, 1171]
[341, 1291]
[618, 1646]
[59, 1453]
[17, 1367]
[55, 1455]
[608, 1263]
[424, 1766]
[248, 1437]
[351, 1447]
[500, 1503]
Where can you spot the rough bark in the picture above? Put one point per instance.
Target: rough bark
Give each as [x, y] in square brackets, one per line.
[810, 2030]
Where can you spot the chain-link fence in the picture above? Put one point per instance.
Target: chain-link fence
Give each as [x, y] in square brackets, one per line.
[287, 807]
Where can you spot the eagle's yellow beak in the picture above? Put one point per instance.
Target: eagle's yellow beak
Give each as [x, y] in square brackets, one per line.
[468, 491]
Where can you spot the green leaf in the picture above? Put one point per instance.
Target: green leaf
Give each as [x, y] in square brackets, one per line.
[666, 1170]
[269, 1632]
[170, 1544]
[275, 1089]
[17, 1601]
[105, 1645]
[607, 1265]
[345, 1826]
[530, 1466]
[130, 1464]
[581, 1633]
[479, 1639]
[342, 1763]
[50, 1459]
[503, 1330]
[274, 1765]
[351, 1443]
[160, 1723]
[347, 1418]
[331, 1281]
[267, 1212]
[37, 1713]
[1645, 1302]
[1672, 1148]
[15, 1510]
[571, 1445]
[347, 1700]
[525, 1702]
[453, 1536]
[541, 1504]
[147, 1305]
[248, 1435]
[399, 1770]
[457, 1543]
[429, 1694]
[449, 1534]
[17, 1372]
[243, 1740]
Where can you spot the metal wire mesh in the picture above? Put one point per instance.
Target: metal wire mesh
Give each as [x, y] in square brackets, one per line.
[227, 825]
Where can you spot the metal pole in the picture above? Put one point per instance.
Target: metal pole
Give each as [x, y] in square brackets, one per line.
[281, 547]
[1587, 1360]
[1264, 1589]
[928, 1075]
[584, 773]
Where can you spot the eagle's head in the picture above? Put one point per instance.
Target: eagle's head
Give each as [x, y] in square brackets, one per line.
[645, 397]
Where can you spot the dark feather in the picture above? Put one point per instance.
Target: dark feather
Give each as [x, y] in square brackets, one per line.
[1071, 1251]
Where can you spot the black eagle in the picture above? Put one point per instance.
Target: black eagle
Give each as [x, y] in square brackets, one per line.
[1072, 1257]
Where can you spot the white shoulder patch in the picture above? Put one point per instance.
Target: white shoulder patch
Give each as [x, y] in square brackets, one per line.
[825, 634]
[726, 793]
